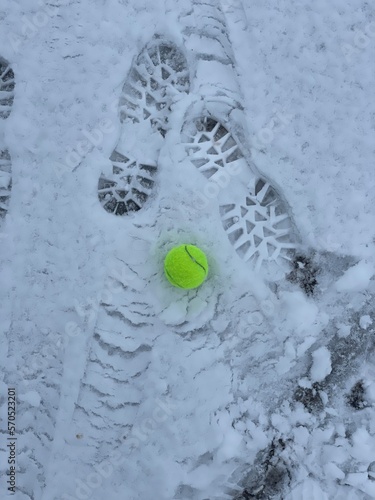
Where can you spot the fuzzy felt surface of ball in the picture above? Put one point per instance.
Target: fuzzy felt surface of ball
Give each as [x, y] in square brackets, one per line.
[186, 266]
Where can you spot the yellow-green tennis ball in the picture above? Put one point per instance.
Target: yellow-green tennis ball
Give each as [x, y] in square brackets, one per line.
[186, 266]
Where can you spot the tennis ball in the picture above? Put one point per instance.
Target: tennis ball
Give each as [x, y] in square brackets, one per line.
[186, 266]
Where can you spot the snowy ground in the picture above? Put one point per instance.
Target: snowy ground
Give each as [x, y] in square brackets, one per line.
[259, 384]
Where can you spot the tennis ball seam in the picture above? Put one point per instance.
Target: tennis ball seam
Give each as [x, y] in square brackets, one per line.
[195, 261]
[173, 281]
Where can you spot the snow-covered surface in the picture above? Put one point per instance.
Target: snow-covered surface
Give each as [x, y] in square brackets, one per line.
[128, 387]
[321, 366]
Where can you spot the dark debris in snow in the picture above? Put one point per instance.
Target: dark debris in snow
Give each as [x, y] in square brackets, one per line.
[270, 475]
[304, 273]
[357, 397]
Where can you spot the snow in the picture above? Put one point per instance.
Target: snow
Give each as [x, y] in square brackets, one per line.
[126, 386]
[357, 278]
[365, 321]
[321, 366]
[31, 397]
[343, 330]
